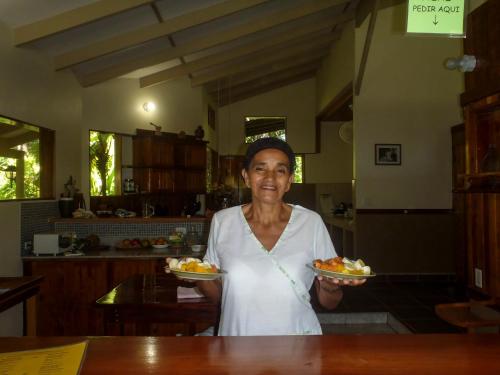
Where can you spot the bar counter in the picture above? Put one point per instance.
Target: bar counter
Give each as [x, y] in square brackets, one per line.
[342, 354]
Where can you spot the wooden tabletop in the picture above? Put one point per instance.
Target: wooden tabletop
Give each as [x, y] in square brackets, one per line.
[342, 354]
[14, 290]
[150, 298]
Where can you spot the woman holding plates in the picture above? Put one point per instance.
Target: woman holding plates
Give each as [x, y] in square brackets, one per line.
[263, 247]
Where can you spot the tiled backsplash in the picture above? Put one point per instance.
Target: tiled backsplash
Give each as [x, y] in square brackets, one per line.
[110, 233]
[35, 219]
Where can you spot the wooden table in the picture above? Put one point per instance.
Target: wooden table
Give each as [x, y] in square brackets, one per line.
[343, 354]
[146, 299]
[14, 290]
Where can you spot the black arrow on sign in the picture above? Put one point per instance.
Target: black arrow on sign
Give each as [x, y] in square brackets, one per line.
[435, 21]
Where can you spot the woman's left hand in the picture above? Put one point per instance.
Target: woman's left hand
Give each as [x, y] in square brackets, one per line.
[332, 281]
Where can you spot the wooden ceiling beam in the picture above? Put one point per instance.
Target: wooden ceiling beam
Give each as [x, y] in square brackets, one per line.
[298, 54]
[6, 129]
[73, 18]
[209, 41]
[6, 143]
[287, 67]
[261, 44]
[150, 32]
[266, 79]
[269, 87]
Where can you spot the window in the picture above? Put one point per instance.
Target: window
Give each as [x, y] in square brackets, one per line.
[26, 160]
[261, 127]
[105, 163]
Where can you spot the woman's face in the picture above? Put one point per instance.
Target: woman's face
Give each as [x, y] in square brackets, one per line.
[268, 176]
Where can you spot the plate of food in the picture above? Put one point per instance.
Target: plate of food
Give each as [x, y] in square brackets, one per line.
[159, 243]
[342, 268]
[193, 269]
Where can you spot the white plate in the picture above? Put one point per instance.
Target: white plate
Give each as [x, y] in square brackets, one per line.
[160, 246]
[197, 275]
[338, 275]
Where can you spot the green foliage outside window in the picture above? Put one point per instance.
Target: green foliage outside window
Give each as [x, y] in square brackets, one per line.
[27, 167]
[102, 163]
[281, 134]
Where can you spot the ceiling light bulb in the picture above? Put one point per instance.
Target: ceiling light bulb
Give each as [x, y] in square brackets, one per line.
[149, 106]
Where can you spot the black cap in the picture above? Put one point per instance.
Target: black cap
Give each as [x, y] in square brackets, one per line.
[270, 142]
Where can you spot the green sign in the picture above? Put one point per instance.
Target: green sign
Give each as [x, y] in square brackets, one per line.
[445, 17]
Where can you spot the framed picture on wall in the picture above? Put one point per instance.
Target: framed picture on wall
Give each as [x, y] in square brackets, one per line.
[211, 117]
[388, 154]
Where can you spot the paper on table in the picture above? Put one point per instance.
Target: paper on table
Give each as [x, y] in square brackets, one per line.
[188, 293]
[60, 360]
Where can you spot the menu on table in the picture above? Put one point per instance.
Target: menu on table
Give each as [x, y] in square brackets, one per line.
[59, 360]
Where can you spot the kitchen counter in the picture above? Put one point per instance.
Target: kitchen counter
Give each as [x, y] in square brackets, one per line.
[131, 220]
[113, 253]
[338, 354]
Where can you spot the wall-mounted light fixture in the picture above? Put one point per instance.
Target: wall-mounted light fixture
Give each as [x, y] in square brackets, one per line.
[466, 63]
[149, 106]
[10, 171]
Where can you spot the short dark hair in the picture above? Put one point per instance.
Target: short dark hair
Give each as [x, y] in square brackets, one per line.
[269, 142]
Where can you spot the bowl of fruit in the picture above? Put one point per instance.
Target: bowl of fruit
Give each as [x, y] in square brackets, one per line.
[159, 243]
[134, 243]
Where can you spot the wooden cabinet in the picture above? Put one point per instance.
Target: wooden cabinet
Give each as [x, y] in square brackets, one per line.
[165, 163]
[481, 179]
[70, 288]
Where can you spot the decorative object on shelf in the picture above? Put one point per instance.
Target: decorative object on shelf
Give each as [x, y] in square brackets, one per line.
[67, 201]
[388, 154]
[149, 106]
[181, 135]
[199, 133]
[157, 128]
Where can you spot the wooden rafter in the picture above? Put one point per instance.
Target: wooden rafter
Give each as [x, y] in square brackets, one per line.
[6, 143]
[261, 44]
[298, 55]
[268, 87]
[6, 129]
[150, 32]
[253, 83]
[366, 48]
[202, 43]
[73, 18]
[287, 67]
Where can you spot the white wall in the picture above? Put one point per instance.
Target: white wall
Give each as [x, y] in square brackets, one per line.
[334, 163]
[117, 106]
[31, 91]
[297, 102]
[407, 97]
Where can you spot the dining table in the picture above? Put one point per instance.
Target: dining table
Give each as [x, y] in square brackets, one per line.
[429, 354]
[17, 289]
[147, 299]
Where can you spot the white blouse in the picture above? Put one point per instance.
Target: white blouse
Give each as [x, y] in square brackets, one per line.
[267, 292]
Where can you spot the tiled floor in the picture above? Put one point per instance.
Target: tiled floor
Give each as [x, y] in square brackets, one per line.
[411, 303]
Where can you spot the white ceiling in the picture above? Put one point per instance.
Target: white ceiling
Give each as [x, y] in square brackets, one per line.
[202, 44]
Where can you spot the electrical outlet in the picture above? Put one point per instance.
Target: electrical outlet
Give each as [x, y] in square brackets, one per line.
[478, 277]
